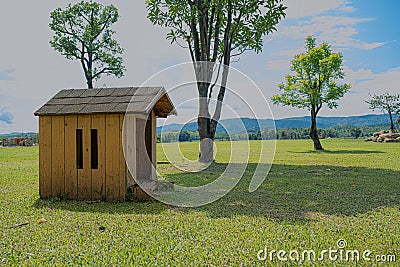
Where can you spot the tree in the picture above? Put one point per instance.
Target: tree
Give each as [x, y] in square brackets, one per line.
[184, 136]
[314, 82]
[356, 132]
[387, 103]
[82, 32]
[215, 31]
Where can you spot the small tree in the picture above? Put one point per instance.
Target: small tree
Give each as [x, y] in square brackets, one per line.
[214, 31]
[314, 82]
[82, 32]
[355, 132]
[387, 103]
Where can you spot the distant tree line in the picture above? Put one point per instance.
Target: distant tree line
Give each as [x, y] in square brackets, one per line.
[339, 131]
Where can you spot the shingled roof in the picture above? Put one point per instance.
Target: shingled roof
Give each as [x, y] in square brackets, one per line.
[140, 100]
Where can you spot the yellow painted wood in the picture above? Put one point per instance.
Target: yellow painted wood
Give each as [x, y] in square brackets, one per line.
[130, 148]
[122, 164]
[112, 157]
[57, 157]
[71, 173]
[99, 175]
[45, 156]
[85, 174]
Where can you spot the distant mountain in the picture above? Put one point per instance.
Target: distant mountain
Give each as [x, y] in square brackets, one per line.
[238, 125]
[17, 134]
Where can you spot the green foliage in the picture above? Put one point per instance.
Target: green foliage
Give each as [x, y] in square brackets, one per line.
[309, 201]
[385, 102]
[215, 31]
[244, 23]
[314, 83]
[82, 32]
[315, 80]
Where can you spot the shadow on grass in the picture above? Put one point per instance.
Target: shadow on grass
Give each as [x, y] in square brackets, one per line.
[339, 152]
[290, 193]
[152, 207]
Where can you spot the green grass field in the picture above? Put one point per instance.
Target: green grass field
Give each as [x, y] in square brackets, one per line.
[310, 200]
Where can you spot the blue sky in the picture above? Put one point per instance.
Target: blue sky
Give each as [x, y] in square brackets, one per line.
[365, 31]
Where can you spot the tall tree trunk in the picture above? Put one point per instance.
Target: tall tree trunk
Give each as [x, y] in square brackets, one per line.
[204, 72]
[90, 84]
[90, 69]
[391, 121]
[314, 131]
[204, 123]
[207, 126]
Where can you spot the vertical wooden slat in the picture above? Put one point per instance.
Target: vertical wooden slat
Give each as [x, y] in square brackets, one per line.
[84, 175]
[130, 148]
[143, 148]
[112, 157]
[45, 156]
[98, 175]
[122, 162]
[71, 173]
[154, 143]
[57, 163]
[140, 149]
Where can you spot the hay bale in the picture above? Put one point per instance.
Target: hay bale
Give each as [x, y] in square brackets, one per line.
[390, 135]
[389, 140]
[379, 139]
[395, 135]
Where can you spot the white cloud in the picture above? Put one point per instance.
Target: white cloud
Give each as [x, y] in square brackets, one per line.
[338, 31]
[370, 46]
[40, 72]
[364, 83]
[6, 116]
[385, 82]
[305, 8]
[356, 76]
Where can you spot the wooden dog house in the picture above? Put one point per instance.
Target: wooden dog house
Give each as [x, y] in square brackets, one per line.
[83, 134]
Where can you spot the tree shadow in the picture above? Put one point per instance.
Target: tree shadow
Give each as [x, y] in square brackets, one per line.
[297, 193]
[133, 207]
[339, 152]
[290, 193]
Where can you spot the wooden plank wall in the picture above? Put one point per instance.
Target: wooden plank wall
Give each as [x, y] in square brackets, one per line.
[142, 170]
[145, 146]
[112, 157]
[71, 173]
[122, 162]
[154, 144]
[99, 174]
[59, 176]
[57, 156]
[85, 174]
[45, 157]
[130, 148]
